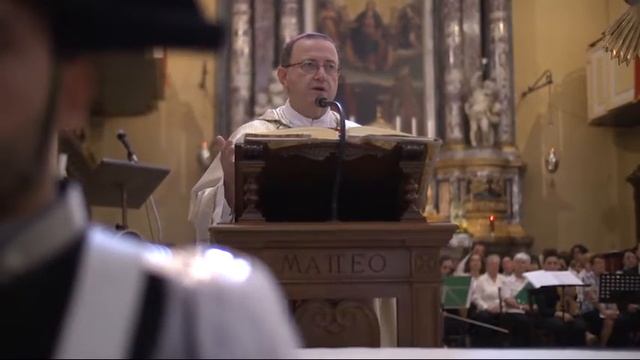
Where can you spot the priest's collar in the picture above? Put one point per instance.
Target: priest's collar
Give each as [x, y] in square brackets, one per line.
[26, 244]
[294, 119]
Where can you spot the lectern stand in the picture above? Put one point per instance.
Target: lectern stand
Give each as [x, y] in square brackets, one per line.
[118, 183]
[352, 260]
[331, 270]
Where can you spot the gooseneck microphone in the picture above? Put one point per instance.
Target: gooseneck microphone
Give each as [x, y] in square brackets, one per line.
[122, 137]
[323, 102]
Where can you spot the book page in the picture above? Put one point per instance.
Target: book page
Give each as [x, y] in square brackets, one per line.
[373, 130]
[299, 133]
[567, 278]
[378, 135]
[540, 278]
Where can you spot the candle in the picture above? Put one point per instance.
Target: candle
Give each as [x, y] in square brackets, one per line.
[431, 129]
[398, 125]
[414, 126]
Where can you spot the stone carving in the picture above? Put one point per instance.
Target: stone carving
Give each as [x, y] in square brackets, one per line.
[452, 58]
[484, 111]
[289, 20]
[424, 263]
[501, 64]
[337, 323]
[241, 53]
[273, 98]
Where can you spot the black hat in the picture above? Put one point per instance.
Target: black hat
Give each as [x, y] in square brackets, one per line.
[98, 25]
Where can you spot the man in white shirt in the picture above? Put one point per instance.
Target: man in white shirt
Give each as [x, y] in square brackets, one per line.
[309, 69]
[487, 298]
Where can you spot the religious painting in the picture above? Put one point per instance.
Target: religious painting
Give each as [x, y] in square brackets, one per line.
[381, 44]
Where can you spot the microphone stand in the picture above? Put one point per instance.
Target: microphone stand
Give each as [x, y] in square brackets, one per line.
[133, 159]
[342, 141]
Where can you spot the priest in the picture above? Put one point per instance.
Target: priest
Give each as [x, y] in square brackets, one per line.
[309, 69]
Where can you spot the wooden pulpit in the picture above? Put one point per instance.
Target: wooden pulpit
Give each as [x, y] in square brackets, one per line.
[378, 246]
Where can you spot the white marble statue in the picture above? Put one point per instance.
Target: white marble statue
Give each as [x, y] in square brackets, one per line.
[483, 110]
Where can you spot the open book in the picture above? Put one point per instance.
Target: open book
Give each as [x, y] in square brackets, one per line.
[522, 297]
[357, 134]
[542, 278]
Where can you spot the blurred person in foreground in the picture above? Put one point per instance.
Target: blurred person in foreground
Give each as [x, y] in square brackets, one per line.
[69, 289]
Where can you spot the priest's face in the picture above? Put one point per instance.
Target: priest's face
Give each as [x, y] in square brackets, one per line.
[313, 73]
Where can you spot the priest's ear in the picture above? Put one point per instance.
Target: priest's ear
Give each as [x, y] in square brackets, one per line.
[75, 93]
[282, 76]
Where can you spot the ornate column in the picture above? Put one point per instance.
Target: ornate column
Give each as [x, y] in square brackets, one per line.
[289, 20]
[479, 187]
[500, 54]
[264, 54]
[240, 64]
[472, 41]
[453, 71]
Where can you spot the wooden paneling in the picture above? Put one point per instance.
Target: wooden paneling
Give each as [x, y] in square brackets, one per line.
[337, 268]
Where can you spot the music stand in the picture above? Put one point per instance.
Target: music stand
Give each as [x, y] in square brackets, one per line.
[456, 294]
[619, 287]
[562, 279]
[119, 183]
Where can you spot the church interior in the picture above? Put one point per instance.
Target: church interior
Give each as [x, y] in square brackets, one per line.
[540, 148]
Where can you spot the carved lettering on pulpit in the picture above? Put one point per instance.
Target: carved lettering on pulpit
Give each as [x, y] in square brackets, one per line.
[290, 263]
[356, 263]
[312, 267]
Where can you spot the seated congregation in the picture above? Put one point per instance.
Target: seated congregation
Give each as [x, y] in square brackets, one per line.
[552, 316]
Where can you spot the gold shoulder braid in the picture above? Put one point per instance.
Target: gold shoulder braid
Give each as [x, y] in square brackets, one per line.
[270, 117]
[280, 124]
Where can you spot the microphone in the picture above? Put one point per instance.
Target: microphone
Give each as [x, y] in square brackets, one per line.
[122, 137]
[323, 102]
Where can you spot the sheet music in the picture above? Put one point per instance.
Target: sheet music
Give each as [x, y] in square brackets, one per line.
[542, 278]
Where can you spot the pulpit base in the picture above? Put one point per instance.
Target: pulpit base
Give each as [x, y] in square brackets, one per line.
[352, 262]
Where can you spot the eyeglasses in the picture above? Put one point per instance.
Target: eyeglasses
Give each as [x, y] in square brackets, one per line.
[312, 67]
